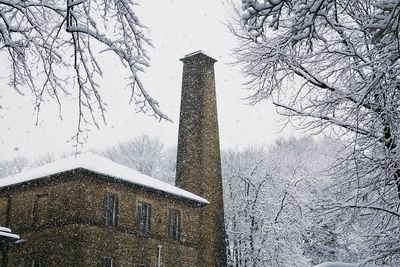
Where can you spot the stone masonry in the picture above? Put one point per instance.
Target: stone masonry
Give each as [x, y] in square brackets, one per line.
[69, 229]
[198, 162]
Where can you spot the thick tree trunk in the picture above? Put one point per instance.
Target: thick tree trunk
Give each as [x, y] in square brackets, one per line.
[390, 144]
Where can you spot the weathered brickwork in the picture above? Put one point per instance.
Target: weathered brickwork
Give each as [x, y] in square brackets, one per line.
[198, 161]
[68, 228]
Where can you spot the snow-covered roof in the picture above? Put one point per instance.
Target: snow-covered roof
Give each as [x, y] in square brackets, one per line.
[6, 232]
[100, 165]
[5, 229]
[199, 52]
[195, 53]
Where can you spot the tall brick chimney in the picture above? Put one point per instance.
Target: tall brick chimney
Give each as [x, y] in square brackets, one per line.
[198, 168]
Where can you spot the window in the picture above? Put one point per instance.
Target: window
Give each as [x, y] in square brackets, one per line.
[110, 208]
[173, 224]
[144, 217]
[39, 212]
[37, 263]
[107, 262]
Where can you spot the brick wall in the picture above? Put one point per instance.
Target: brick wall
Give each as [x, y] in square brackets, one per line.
[67, 227]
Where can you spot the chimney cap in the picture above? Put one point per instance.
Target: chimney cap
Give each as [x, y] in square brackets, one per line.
[198, 54]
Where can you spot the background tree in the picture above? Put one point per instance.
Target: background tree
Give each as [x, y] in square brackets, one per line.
[334, 65]
[144, 153]
[12, 166]
[19, 164]
[147, 155]
[47, 42]
[270, 197]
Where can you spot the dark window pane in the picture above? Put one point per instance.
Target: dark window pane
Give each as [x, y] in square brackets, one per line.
[110, 208]
[38, 263]
[40, 209]
[173, 224]
[144, 217]
[107, 262]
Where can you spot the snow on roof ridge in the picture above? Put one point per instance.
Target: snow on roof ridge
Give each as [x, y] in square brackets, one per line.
[198, 52]
[194, 53]
[98, 164]
[5, 229]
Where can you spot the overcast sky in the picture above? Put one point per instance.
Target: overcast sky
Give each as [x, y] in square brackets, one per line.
[177, 28]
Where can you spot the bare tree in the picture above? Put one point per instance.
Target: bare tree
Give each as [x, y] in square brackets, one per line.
[39, 38]
[19, 164]
[268, 198]
[12, 166]
[333, 65]
[147, 155]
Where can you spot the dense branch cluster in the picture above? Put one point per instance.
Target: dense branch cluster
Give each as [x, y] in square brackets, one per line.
[147, 155]
[333, 65]
[271, 198]
[47, 42]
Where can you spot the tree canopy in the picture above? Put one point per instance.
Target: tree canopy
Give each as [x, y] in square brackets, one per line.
[333, 66]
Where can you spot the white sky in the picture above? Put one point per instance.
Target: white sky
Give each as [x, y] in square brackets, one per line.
[177, 27]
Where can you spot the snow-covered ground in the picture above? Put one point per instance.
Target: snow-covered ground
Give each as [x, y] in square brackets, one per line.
[343, 264]
[336, 264]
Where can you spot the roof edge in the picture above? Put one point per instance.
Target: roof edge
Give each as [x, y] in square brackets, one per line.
[97, 164]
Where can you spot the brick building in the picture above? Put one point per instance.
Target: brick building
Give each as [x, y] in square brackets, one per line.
[89, 211]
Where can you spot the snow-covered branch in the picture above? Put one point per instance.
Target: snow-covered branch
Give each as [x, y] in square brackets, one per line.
[333, 66]
[37, 36]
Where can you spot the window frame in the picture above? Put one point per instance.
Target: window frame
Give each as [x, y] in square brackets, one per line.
[112, 220]
[38, 262]
[104, 261]
[147, 220]
[38, 207]
[177, 223]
